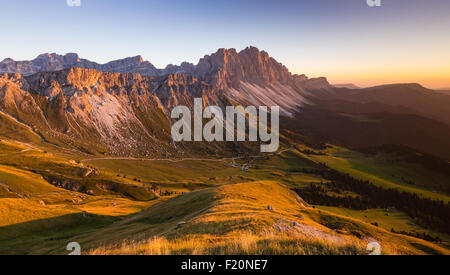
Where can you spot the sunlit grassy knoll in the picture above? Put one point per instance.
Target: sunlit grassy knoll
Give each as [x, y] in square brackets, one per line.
[234, 219]
[36, 214]
[244, 244]
[56, 168]
[39, 160]
[12, 130]
[20, 183]
[30, 189]
[15, 211]
[221, 216]
[28, 226]
[7, 147]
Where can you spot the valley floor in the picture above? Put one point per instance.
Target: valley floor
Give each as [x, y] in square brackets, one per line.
[49, 198]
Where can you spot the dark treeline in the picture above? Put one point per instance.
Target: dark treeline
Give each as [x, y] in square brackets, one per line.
[420, 235]
[406, 155]
[409, 155]
[433, 214]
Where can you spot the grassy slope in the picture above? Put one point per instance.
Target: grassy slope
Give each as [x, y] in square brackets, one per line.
[382, 173]
[396, 220]
[34, 213]
[236, 210]
[173, 176]
[234, 219]
[12, 129]
[62, 208]
[27, 226]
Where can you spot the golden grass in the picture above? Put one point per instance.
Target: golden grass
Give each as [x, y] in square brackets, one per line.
[24, 183]
[237, 221]
[14, 211]
[243, 244]
[223, 219]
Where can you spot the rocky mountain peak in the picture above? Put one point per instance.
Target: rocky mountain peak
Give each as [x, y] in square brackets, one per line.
[224, 70]
[76, 77]
[53, 62]
[7, 60]
[11, 78]
[135, 60]
[227, 68]
[46, 56]
[72, 58]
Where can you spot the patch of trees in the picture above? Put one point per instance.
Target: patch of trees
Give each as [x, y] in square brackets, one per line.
[419, 235]
[433, 214]
[304, 170]
[166, 193]
[322, 194]
[409, 155]
[312, 153]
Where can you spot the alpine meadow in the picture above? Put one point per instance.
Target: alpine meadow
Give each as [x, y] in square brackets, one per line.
[249, 150]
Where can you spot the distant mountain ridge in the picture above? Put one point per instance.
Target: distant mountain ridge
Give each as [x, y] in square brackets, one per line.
[250, 76]
[347, 85]
[424, 101]
[225, 68]
[55, 62]
[445, 91]
[123, 107]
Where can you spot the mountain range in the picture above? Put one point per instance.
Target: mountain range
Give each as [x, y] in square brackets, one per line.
[87, 156]
[347, 85]
[123, 107]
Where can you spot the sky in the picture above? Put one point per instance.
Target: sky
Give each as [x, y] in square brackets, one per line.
[346, 41]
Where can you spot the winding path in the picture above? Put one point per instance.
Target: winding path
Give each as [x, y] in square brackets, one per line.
[184, 159]
[20, 152]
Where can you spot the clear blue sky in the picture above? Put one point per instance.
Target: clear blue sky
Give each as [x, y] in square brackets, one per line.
[345, 40]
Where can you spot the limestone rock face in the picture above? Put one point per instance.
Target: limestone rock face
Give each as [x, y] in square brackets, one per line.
[224, 69]
[123, 107]
[227, 68]
[252, 77]
[99, 112]
[55, 62]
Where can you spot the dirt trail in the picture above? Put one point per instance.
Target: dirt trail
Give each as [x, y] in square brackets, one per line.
[184, 159]
[9, 190]
[20, 152]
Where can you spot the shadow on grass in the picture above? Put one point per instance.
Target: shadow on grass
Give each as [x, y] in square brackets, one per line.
[49, 236]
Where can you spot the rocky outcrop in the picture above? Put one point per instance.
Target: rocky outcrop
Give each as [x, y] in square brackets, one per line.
[224, 69]
[227, 68]
[103, 113]
[55, 62]
[123, 108]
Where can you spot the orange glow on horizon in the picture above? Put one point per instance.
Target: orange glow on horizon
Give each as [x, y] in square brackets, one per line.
[431, 78]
